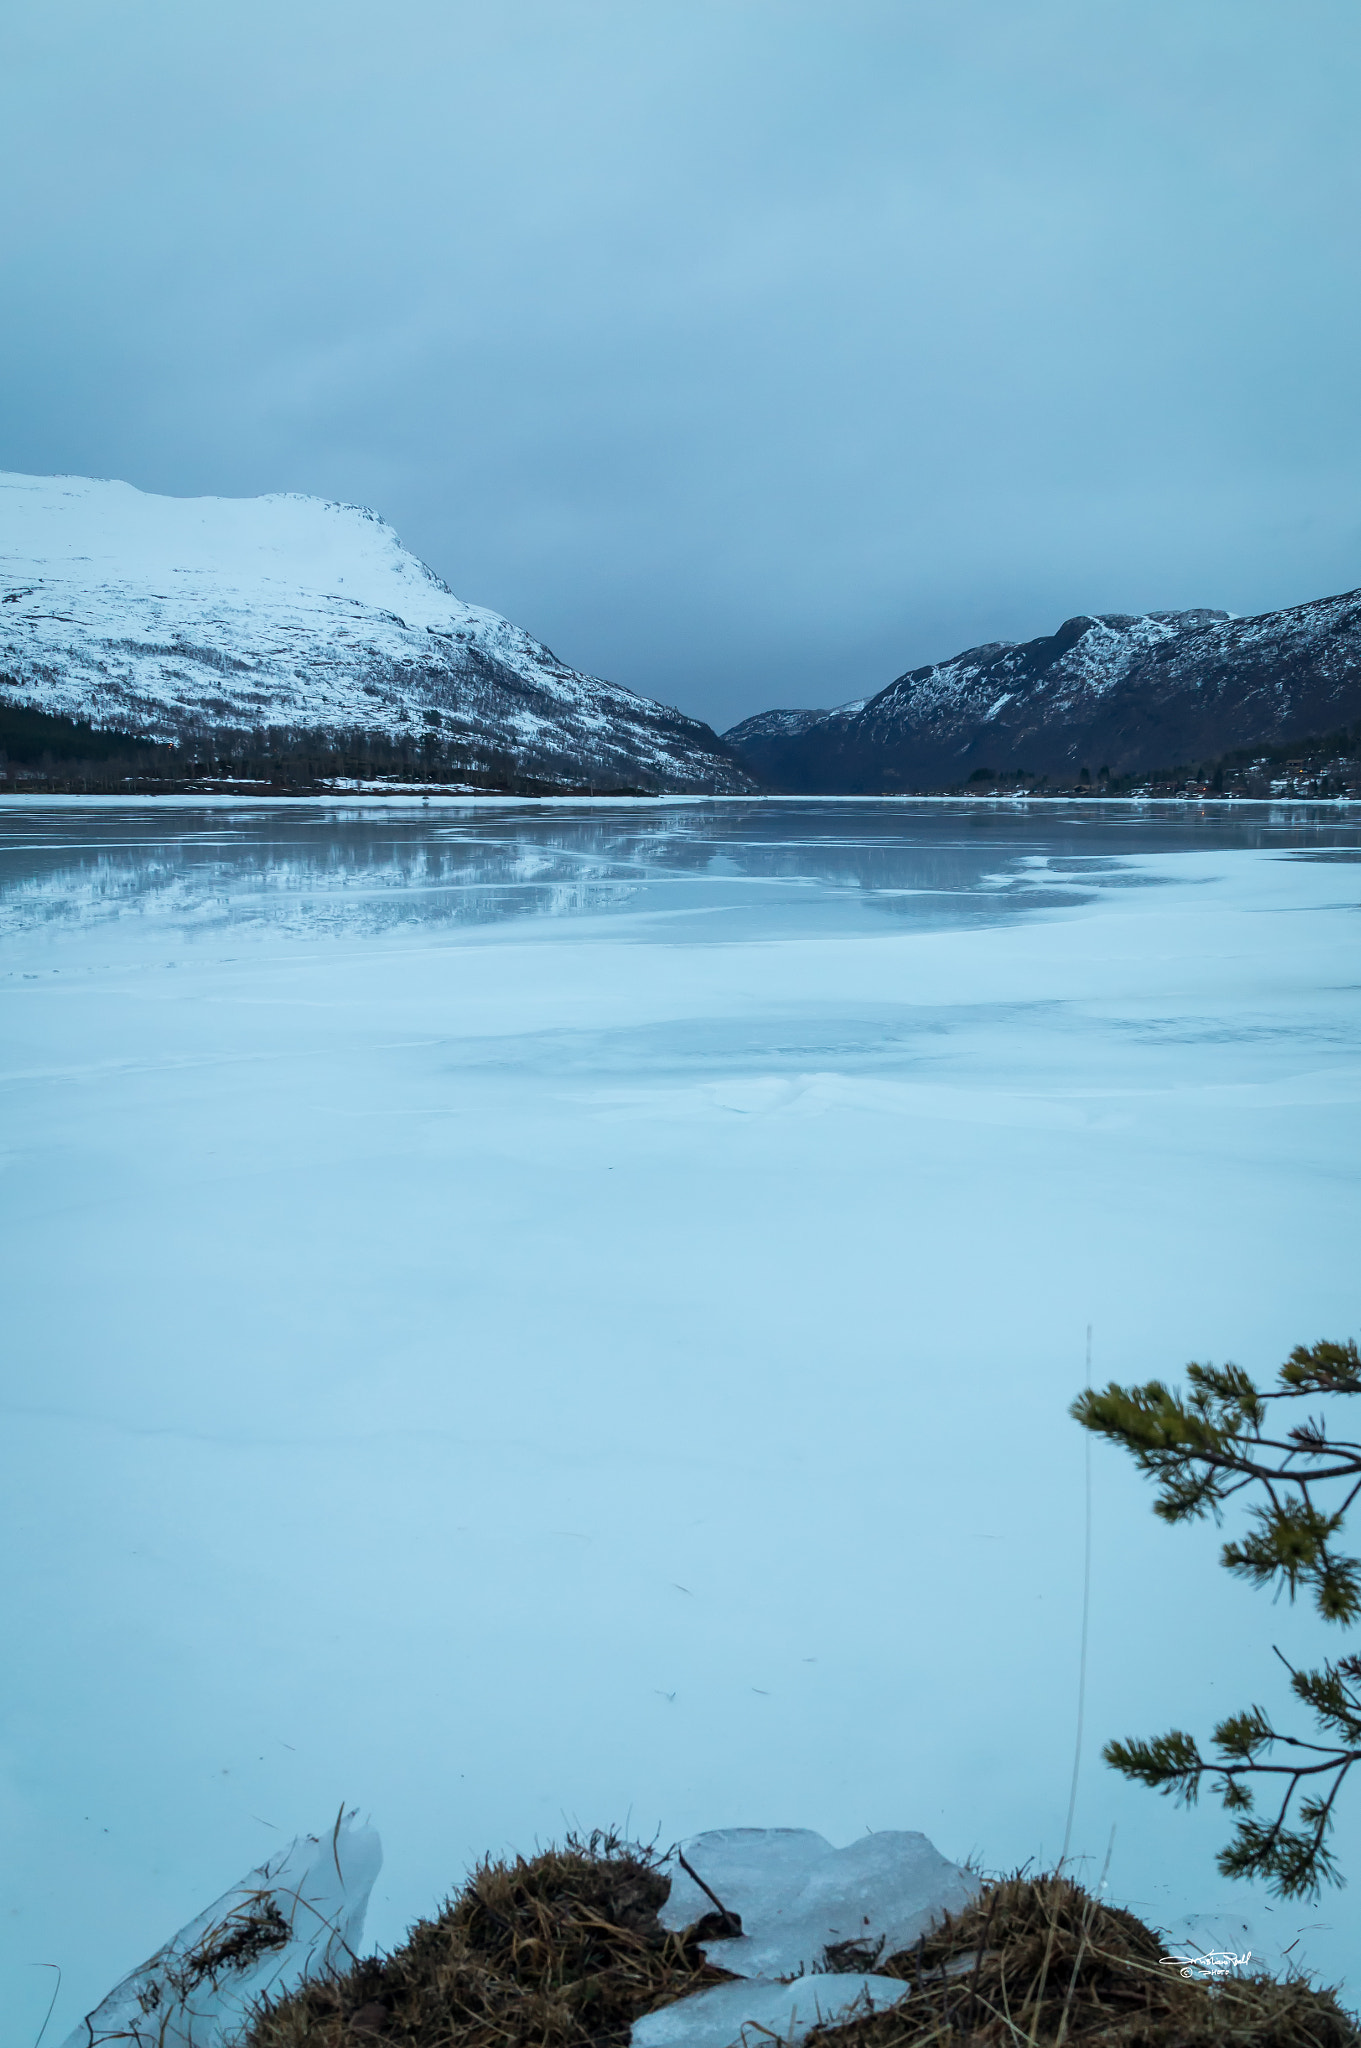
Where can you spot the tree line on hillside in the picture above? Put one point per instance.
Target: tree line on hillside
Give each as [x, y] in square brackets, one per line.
[42, 752]
[1322, 765]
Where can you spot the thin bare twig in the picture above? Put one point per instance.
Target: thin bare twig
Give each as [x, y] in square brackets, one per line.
[731, 1921]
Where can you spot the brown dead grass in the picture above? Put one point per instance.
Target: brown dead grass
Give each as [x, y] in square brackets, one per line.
[1040, 1963]
[566, 1951]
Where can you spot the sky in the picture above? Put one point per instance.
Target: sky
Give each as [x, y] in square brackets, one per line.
[747, 351]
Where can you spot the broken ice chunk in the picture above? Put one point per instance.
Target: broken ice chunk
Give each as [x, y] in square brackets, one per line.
[783, 2012]
[299, 1915]
[797, 1896]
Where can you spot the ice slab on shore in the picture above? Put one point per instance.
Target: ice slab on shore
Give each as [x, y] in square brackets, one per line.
[797, 1896]
[299, 1915]
[716, 2018]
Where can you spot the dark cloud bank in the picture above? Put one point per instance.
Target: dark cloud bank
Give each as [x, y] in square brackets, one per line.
[747, 351]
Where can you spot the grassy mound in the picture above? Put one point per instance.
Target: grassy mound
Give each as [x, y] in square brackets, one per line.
[1040, 1961]
[567, 1950]
[561, 1952]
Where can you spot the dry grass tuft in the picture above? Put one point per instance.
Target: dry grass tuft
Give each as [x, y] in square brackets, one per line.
[560, 1952]
[1040, 1963]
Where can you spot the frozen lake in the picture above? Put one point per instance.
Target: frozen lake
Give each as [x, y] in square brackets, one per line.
[525, 1317]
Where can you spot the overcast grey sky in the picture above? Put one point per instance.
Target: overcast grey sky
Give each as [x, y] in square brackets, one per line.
[747, 351]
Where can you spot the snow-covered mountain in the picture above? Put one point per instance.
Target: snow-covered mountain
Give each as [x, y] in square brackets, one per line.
[1129, 694]
[175, 618]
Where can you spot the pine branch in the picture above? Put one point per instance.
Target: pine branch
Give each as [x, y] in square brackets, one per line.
[1202, 1448]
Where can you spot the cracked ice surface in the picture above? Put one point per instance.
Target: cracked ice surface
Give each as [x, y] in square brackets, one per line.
[521, 1318]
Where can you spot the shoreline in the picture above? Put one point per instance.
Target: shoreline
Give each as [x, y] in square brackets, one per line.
[467, 800]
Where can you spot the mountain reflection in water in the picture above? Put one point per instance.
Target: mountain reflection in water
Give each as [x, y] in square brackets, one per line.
[728, 869]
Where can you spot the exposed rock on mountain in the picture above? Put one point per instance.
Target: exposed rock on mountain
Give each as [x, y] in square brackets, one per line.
[184, 620]
[1131, 695]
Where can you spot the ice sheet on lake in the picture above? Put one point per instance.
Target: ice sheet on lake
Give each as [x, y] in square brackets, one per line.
[299, 1915]
[797, 1896]
[401, 1312]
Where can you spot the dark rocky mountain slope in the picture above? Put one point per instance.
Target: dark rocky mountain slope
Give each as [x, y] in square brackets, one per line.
[1131, 695]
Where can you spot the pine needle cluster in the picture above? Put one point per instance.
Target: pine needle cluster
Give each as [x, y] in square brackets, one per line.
[1221, 1438]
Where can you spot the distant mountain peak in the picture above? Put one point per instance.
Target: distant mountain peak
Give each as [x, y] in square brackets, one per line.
[173, 618]
[1132, 691]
